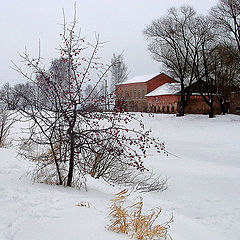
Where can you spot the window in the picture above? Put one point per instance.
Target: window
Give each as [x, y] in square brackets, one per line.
[126, 94]
[139, 94]
[135, 93]
[143, 93]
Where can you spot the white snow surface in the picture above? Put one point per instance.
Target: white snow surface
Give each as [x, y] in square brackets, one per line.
[165, 89]
[140, 79]
[203, 170]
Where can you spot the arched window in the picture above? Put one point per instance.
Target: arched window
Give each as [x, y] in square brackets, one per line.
[139, 93]
[143, 93]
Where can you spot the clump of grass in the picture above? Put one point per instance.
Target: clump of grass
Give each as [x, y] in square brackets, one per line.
[130, 220]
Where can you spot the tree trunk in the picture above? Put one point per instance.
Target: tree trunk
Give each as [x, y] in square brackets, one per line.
[182, 106]
[211, 111]
[71, 135]
[180, 112]
[71, 162]
[223, 108]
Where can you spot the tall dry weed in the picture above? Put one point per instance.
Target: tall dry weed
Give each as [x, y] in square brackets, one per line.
[130, 220]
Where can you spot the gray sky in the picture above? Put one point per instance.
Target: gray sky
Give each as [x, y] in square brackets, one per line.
[119, 22]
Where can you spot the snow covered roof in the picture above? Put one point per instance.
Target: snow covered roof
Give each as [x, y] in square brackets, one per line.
[165, 89]
[140, 79]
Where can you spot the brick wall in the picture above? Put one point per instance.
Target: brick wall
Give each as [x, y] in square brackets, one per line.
[158, 81]
[134, 96]
[165, 103]
[171, 104]
[134, 93]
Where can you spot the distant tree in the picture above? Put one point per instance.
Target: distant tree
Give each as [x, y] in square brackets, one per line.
[9, 97]
[57, 74]
[225, 17]
[226, 21]
[119, 71]
[90, 91]
[13, 96]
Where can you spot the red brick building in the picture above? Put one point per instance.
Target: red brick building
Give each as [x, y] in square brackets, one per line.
[134, 91]
[161, 93]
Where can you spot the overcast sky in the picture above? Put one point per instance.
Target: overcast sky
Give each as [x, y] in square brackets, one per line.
[119, 22]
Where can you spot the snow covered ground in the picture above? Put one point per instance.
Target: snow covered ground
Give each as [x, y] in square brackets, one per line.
[204, 188]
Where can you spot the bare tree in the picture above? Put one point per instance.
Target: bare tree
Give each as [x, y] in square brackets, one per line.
[226, 23]
[9, 96]
[70, 138]
[14, 96]
[119, 71]
[172, 42]
[226, 74]
[226, 20]
[91, 91]
[204, 62]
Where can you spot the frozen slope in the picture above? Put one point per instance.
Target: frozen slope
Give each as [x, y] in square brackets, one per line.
[203, 193]
[43, 212]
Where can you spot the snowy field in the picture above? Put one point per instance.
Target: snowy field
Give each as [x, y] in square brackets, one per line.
[203, 195]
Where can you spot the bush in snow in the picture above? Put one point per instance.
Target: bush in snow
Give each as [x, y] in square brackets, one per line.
[130, 220]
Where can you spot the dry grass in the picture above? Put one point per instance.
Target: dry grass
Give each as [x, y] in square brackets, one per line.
[131, 221]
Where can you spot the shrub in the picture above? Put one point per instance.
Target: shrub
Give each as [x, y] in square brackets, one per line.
[5, 124]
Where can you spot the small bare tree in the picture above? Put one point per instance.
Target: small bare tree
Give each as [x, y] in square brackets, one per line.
[72, 135]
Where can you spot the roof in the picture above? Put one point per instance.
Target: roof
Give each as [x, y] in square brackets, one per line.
[140, 79]
[165, 89]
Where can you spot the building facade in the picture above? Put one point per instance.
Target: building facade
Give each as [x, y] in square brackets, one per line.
[133, 92]
[160, 93]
